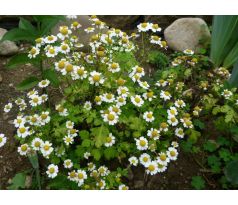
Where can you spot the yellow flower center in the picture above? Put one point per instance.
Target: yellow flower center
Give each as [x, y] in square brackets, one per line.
[150, 115]
[137, 99]
[80, 175]
[163, 125]
[172, 153]
[155, 26]
[150, 94]
[154, 133]
[43, 116]
[69, 68]
[61, 64]
[75, 24]
[51, 170]
[52, 51]
[46, 147]
[22, 130]
[108, 139]
[50, 38]
[142, 143]
[139, 69]
[96, 78]
[80, 71]
[33, 51]
[144, 25]
[163, 157]
[110, 117]
[114, 66]
[37, 144]
[33, 119]
[151, 168]
[24, 148]
[97, 98]
[120, 81]
[145, 159]
[64, 47]
[64, 30]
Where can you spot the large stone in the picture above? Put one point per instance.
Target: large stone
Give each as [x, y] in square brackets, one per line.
[7, 47]
[187, 33]
[83, 37]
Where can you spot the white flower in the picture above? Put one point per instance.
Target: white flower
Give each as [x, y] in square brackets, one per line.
[179, 132]
[3, 140]
[149, 95]
[108, 97]
[23, 132]
[34, 120]
[153, 133]
[101, 184]
[50, 39]
[161, 168]
[96, 78]
[111, 118]
[115, 109]
[120, 101]
[143, 27]
[62, 111]
[51, 51]
[144, 84]
[86, 155]
[133, 161]
[114, 67]
[23, 149]
[46, 148]
[60, 65]
[172, 120]
[81, 176]
[98, 100]
[123, 187]
[161, 83]
[187, 123]
[152, 168]
[44, 98]
[155, 28]
[79, 73]
[172, 153]
[75, 25]
[110, 140]
[91, 166]
[137, 70]
[103, 171]
[33, 52]
[68, 139]
[123, 91]
[188, 52]
[155, 40]
[172, 111]
[227, 94]
[36, 144]
[174, 144]
[35, 100]
[142, 143]
[72, 176]
[145, 159]
[44, 118]
[137, 100]
[32, 93]
[8, 107]
[44, 83]
[87, 105]
[164, 127]
[52, 171]
[64, 32]
[68, 164]
[163, 159]
[19, 121]
[89, 30]
[148, 116]
[64, 48]
[180, 103]
[165, 95]
[69, 124]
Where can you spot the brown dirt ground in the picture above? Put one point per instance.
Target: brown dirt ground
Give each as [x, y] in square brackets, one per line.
[177, 177]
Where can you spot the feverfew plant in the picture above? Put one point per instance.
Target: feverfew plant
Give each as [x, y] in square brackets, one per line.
[109, 116]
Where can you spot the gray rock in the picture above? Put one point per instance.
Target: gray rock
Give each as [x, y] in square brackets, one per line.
[7, 48]
[187, 33]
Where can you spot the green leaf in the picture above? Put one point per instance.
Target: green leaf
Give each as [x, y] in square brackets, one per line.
[18, 181]
[224, 37]
[210, 146]
[48, 22]
[231, 172]
[110, 153]
[86, 143]
[34, 161]
[52, 76]
[84, 134]
[28, 83]
[100, 134]
[96, 154]
[17, 34]
[21, 59]
[234, 75]
[198, 182]
[24, 24]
